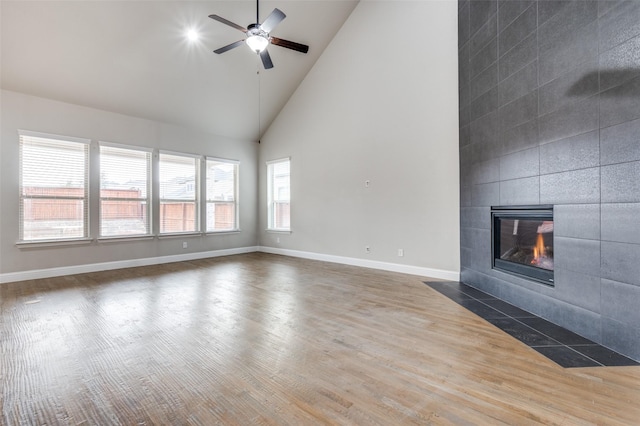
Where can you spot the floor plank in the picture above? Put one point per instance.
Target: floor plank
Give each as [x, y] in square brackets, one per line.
[265, 339]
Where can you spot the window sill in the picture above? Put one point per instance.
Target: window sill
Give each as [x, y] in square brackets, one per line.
[52, 243]
[180, 235]
[231, 231]
[124, 239]
[279, 231]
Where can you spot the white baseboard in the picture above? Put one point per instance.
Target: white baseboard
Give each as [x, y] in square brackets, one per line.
[107, 266]
[119, 264]
[385, 266]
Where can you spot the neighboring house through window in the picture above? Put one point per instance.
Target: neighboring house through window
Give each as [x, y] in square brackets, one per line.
[279, 195]
[125, 191]
[54, 189]
[179, 193]
[222, 195]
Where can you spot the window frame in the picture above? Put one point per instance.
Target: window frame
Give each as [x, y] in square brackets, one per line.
[86, 229]
[148, 199]
[236, 193]
[271, 202]
[197, 195]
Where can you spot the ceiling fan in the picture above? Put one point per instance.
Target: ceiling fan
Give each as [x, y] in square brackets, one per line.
[258, 36]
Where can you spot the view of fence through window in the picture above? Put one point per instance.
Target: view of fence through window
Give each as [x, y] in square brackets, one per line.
[178, 193]
[53, 189]
[124, 191]
[221, 195]
[279, 194]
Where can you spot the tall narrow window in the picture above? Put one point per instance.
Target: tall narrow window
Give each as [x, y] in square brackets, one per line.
[278, 178]
[54, 190]
[222, 195]
[125, 183]
[179, 193]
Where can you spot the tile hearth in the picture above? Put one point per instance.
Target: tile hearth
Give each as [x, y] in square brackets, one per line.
[560, 345]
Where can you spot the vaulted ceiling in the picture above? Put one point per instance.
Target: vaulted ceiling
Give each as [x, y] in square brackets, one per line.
[132, 57]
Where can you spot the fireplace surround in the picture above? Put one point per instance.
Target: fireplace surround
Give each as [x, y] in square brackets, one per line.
[522, 241]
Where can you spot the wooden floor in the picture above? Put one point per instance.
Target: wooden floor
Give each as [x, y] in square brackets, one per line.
[264, 339]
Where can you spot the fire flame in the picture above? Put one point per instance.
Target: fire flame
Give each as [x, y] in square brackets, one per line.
[539, 250]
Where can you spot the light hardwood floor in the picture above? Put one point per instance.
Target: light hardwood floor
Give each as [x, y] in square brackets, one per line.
[265, 339]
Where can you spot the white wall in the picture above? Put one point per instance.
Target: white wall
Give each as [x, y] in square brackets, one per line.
[26, 112]
[380, 105]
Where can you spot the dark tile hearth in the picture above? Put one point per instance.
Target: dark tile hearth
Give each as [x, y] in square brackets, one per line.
[560, 345]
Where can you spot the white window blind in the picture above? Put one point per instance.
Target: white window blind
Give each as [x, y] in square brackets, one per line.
[179, 189]
[54, 190]
[222, 195]
[125, 191]
[279, 195]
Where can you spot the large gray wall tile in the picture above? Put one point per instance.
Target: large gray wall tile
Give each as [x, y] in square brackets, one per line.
[520, 137]
[620, 143]
[508, 10]
[475, 217]
[570, 20]
[486, 194]
[621, 223]
[620, 23]
[519, 56]
[518, 30]
[621, 337]
[519, 84]
[519, 111]
[577, 221]
[484, 81]
[520, 164]
[620, 64]
[621, 183]
[463, 24]
[486, 171]
[579, 83]
[525, 191]
[570, 120]
[577, 288]
[485, 129]
[620, 302]
[620, 262]
[481, 60]
[577, 152]
[548, 9]
[571, 50]
[620, 104]
[480, 12]
[577, 255]
[485, 34]
[484, 104]
[575, 187]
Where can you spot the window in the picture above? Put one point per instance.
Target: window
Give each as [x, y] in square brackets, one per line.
[278, 187]
[222, 195]
[179, 198]
[125, 183]
[54, 190]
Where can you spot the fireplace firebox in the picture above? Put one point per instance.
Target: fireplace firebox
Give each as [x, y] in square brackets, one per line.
[522, 241]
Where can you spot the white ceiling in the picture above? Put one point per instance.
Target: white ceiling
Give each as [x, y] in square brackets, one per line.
[132, 57]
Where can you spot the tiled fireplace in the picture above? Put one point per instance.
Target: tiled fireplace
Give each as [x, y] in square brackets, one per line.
[550, 115]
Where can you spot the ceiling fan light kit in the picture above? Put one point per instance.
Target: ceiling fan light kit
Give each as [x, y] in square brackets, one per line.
[258, 37]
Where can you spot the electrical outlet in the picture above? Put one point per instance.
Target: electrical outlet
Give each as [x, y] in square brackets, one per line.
[367, 249]
[400, 252]
[278, 240]
[185, 244]
[367, 183]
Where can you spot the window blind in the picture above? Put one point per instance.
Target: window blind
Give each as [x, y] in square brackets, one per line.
[53, 188]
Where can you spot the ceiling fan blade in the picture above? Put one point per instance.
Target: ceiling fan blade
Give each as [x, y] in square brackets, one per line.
[266, 59]
[228, 47]
[290, 44]
[229, 23]
[272, 20]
